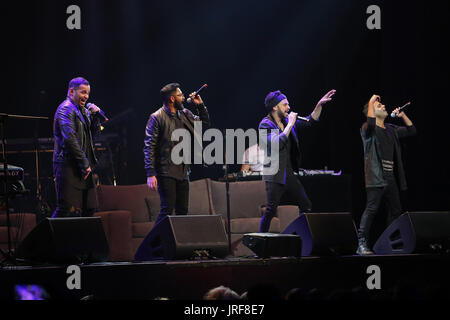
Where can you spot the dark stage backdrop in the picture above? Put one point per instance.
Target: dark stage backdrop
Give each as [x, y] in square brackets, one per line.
[243, 49]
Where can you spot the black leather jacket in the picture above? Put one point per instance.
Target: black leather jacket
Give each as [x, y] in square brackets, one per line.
[158, 145]
[373, 170]
[73, 137]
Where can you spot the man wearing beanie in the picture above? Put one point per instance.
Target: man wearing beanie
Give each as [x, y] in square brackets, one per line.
[282, 129]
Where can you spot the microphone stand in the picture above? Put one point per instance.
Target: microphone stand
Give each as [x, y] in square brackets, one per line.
[3, 116]
[42, 206]
[227, 188]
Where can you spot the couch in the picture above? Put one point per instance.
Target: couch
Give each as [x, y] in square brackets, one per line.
[129, 213]
[247, 204]
[21, 225]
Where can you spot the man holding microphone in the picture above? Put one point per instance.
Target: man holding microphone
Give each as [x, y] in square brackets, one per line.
[283, 129]
[382, 154]
[170, 179]
[75, 123]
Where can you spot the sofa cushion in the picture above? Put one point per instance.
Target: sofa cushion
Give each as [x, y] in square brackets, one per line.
[152, 208]
[249, 225]
[199, 197]
[246, 198]
[14, 231]
[287, 214]
[218, 197]
[23, 222]
[153, 205]
[131, 198]
[117, 227]
[141, 229]
[135, 243]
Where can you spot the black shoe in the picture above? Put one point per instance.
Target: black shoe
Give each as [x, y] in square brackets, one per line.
[363, 249]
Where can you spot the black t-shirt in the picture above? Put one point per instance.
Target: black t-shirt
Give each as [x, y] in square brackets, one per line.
[88, 138]
[386, 143]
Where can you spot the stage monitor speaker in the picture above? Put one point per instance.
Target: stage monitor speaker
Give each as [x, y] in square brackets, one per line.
[184, 237]
[266, 245]
[325, 233]
[66, 240]
[416, 232]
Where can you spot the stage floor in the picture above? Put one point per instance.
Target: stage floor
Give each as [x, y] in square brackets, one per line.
[191, 279]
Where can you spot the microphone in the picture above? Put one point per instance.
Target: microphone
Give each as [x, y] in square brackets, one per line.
[302, 118]
[394, 115]
[100, 112]
[189, 100]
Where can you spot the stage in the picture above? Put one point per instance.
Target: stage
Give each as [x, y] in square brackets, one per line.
[346, 94]
[415, 275]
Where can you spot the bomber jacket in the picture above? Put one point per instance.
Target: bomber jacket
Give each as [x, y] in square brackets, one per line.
[158, 144]
[269, 124]
[73, 135]
[373, 169]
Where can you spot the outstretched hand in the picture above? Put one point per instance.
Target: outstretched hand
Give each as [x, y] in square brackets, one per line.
[326, 98]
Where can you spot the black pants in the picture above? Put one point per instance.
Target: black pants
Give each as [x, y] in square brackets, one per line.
[275, 191]
[375, 196]
[173, 194]
[74, 198]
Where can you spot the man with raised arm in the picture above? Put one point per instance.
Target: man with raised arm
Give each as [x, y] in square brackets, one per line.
[283, 130]
[382, 159]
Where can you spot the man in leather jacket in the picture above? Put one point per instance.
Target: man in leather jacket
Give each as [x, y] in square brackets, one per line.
[73, 155]
[170, 179]
[382, 159]
[283, 128]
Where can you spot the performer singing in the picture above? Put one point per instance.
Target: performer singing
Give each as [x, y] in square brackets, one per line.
[382, 153]
[171, 180]
[286, 126]
[73, 155]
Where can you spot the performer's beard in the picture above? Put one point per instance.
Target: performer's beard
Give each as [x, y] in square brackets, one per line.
[281, 114]
[178, 105]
